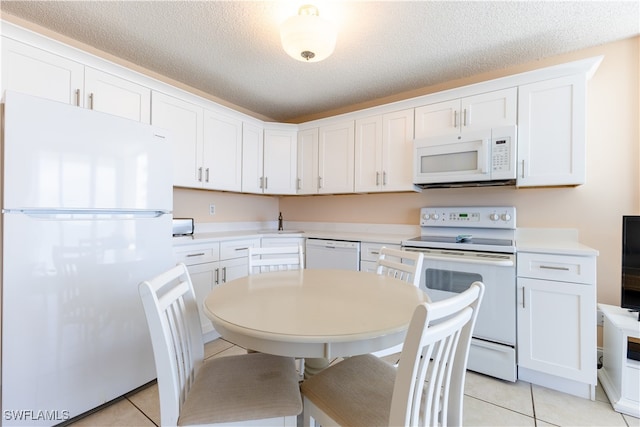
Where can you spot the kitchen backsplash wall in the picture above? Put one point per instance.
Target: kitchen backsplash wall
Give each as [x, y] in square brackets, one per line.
[229, 207]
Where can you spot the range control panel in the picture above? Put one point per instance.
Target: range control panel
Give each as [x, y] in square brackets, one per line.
[475, 216]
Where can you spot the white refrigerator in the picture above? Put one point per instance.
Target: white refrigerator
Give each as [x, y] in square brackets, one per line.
[86, 216]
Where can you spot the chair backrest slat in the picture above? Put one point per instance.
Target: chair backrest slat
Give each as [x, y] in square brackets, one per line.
[263, 260]
[172, 315]
[432, 357]
[403, 265]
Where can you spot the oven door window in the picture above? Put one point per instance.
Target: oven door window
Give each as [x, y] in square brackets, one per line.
[449, 280]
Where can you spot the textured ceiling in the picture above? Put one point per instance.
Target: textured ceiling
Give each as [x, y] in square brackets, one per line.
[231, 49]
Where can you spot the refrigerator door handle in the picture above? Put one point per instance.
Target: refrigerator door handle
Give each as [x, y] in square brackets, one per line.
[93, 213]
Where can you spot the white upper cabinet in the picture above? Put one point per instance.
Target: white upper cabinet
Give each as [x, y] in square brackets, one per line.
[40, 73]
[384, 152]
[280, 161]
[551, 132]
[307, 162]
[184, 120]
[252, 158]
[336, 158]
[221, 160]
[478, 112]
[110, 94]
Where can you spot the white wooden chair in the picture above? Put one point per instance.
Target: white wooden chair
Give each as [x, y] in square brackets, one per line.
[427, 387]
[260, 389]
[403, 265]
[262, 260]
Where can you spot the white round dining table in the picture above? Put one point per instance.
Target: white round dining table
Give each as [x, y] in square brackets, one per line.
[314, 314]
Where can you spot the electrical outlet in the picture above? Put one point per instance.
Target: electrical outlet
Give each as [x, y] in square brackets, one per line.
[212, 209]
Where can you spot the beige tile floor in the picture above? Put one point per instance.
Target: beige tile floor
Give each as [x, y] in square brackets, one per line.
[487, 402]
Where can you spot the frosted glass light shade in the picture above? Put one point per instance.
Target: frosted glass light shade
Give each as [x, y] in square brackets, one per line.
[308, 37]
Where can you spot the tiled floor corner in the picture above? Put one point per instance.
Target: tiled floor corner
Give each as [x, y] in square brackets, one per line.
[487, 402]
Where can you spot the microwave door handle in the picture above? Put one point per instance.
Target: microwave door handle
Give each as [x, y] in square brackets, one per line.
[485, 156]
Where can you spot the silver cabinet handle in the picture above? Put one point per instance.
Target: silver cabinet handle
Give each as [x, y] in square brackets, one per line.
[551, 267]
[198, 254]
[465, 117]
[523, 169]
[217, 276]
[91, 101]
[224, 274]
[200, 174]
[523, 294]
[261, 185]
[299, 184]
[455, 119]
[319, 182]
[266, 182]
[241, 249]
[77, 97]
[206, 175]
[377, 178]
[384, 178]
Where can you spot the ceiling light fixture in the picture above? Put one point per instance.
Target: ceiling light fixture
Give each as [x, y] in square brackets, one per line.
[307, 37]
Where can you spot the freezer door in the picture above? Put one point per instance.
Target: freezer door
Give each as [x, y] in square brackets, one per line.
[74, 334]
[57, 156]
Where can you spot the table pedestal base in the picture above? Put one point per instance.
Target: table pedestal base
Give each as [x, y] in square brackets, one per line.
[313, 365]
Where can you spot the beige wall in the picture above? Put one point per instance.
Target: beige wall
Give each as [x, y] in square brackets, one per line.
[229, 207]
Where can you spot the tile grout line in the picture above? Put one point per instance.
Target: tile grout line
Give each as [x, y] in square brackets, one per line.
[141, 411]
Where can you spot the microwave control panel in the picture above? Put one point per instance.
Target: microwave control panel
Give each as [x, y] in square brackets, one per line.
[503, 153]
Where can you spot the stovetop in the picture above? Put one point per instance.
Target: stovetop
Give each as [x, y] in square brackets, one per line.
[479, 228]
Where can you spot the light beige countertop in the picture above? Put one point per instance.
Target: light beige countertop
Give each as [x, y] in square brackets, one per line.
[381, 233]
[560, 241]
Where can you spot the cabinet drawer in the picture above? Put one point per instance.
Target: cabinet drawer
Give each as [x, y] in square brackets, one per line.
[370, 251]
[237, 248]
[197, 254]
[562, 268]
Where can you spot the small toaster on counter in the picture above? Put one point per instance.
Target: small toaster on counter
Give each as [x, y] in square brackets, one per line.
[182, 226]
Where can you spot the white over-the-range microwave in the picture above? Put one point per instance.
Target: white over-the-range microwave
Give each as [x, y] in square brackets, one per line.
[486, 157]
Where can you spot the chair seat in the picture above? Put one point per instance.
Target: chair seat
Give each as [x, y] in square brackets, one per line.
[354, 392]
[244, 387]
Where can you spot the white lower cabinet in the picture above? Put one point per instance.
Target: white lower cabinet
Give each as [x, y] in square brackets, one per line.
[369, 253]
[556, 317]
[213, 263]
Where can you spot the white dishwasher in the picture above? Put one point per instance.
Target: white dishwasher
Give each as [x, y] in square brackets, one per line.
[333, 254]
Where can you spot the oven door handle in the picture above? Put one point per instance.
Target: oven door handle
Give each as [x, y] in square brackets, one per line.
[496, 263]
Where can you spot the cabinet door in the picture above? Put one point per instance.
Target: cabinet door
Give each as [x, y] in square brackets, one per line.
[222, 152]
[280, 161]
[252, 158]
[551, 132]
[556, 328]
[397, 154]
[307, 162]
[233, 269]
[368, 154]
[203, 277]
[37, 72]
[184, 120]
[489, 110]
[437, 119]
[336, 158]
[114, 95]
